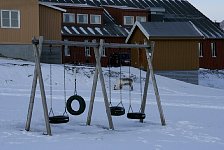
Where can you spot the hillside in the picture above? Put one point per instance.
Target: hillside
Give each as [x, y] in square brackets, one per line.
[194, 114]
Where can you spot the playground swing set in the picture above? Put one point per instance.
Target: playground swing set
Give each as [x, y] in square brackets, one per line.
[116, 110]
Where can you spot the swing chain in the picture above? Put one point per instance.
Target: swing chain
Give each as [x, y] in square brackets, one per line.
[75, 90]
[65, 111]
[51, 93]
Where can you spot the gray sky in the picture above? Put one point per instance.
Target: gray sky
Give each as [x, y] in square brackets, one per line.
[213, 9]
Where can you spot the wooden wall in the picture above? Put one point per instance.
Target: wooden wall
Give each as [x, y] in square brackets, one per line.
[29, 22]
[84, 10]
[78, 53]
[168, 54]
[50, 23]
[209, 62]
[118, 14]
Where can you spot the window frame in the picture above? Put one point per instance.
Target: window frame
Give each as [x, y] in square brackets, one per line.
[72, 14]
[10, 19]
[213, 49]
[141, 17]
[103, 53]
[125, 20]
[87, 50]
[87, 18]
[200, 49]
[91, 21]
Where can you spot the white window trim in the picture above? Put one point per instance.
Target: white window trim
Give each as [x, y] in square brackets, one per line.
[91, 19]
[213, 49]
[103, 53]
[200, 49]
[82, 22]
[141, 17]
[87, 50]
[125, 23]
[10, 19]
[73, 14]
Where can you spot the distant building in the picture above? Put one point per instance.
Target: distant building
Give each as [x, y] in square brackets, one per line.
[85, 20]
[176, 48]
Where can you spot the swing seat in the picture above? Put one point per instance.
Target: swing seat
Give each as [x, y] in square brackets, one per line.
[58, 119]
[82, 105]
[117, 111]
[136, 115]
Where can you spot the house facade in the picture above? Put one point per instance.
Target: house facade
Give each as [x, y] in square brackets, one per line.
[22, 20]
[175, 51]
[85, 20]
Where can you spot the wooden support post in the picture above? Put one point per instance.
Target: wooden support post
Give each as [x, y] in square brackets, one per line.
[143, 105]
[32, 96]
[145, 93]
[162, 118]
[93, 92]
[38, 75]
[98, 65]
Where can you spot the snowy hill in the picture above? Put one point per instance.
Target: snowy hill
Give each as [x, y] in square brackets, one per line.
[194, 114]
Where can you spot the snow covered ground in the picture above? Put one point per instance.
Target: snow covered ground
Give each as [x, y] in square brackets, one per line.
[194, 113]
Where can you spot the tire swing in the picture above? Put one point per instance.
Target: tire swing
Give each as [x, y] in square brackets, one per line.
[131, 114]
[57, 119]
[119, 109]
[81, 101]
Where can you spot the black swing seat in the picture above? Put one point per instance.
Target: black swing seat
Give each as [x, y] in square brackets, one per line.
[58, 119]
[117, 111]
[136, 115]
[82, 105]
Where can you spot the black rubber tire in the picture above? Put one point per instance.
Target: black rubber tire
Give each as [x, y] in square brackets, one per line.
[82, 105]
[117, 111]
[58, 119]
[136, 115]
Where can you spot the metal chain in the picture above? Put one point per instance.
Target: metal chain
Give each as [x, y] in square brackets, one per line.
[120, 80]
[51, 93]
[75, 90]
[110, 82]
[65, 111]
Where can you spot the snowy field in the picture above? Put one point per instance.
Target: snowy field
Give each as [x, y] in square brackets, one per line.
[194, 114]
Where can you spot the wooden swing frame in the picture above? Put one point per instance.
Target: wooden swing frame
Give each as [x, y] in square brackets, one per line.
[98, 75]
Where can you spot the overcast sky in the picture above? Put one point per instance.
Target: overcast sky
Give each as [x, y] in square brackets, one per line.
[213, 9]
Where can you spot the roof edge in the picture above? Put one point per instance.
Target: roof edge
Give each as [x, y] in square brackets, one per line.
[137, 24]
[51, 6]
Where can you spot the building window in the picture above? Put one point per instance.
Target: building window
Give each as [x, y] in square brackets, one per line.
[87, 50]
[213, 48]
[82, 18]
[95, 19]
[10, 18]
[200, 49]
[68, 18]
[103, 53]
[128, 20]
[141, 18]
[67, 51]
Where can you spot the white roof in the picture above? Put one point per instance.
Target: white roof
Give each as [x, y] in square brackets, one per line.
[52, 6]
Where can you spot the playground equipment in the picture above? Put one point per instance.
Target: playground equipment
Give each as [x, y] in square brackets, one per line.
[98, 47]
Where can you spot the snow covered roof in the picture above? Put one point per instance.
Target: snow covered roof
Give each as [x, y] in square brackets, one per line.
[175, 11]
[167, 30]
[122, 7]
[113, 31]
[69, 4]
[52, 6]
